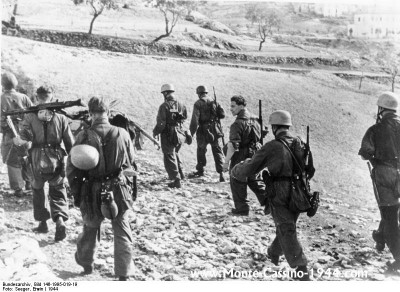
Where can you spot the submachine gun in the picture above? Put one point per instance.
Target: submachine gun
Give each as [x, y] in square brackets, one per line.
[57, 106]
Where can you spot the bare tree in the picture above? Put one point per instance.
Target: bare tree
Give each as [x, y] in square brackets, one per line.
[172, 10]
[252, 12]
[192, 5]
[267, 22]
[389, 59]
[97, 7]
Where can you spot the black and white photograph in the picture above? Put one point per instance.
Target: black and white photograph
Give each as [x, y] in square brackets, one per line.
[199, 141]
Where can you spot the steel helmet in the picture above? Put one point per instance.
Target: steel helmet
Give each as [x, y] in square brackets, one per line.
[201, 89]
[84, 157]
[388, 100]
[167, 87]
[282, 118]
[8, 80]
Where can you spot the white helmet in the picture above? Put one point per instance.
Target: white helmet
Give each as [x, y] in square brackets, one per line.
[388, 100]
[167, 87]
[282, 118]
[84, 157]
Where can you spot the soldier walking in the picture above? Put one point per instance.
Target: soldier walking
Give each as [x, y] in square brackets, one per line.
[93, 186]
[170, 118]
[19, 173]
[47, 130]
[244, 137]
[206, 113]
[381, 146]
[274, 158]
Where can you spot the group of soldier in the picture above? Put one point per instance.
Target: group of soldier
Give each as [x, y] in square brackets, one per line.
[269, 170]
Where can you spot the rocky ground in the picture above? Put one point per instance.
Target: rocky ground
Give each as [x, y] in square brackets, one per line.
[178, 232]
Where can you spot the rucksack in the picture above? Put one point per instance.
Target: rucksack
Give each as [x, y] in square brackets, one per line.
[175, 132]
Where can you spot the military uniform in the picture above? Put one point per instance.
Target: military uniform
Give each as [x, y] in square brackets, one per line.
[166, 122]
[118, 154]
[277, 159]
[381, 145]
[46, 138]
[205, 113]
[18, 174]
[239, 136]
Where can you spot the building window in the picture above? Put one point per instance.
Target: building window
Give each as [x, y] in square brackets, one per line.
[359, 19]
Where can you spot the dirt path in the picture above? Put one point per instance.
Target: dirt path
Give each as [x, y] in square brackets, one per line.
[176, 232]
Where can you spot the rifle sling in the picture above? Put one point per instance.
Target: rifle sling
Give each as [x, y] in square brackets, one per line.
[297, 163]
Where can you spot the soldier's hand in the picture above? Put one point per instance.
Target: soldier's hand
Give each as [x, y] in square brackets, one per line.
[18, 141]
[258, 146]
[225, 166]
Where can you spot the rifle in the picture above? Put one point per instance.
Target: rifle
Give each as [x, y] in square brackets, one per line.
[217, 119]
[308, 160]
[56, 106]
[373, 183]
[135, 125]
[84, 116]
[264, 131]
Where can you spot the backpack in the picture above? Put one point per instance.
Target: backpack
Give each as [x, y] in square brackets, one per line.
[301, 198]
[175, 132]
[251, 136]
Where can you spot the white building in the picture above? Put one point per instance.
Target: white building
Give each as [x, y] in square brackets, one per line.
[375, 25]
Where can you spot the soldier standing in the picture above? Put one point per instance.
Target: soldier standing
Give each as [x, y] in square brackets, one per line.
[47, 130]
[244, 137]
[206, 113]
[18, 174]
[277, 161]
[170, 118]
[381, 146]
[116, 155]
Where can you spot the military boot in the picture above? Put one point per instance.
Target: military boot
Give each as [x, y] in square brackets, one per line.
[221, 177]
[302, 274]
[394, 266]
[379, 240]
[274, 258]
[42, 227]
[87, 269]
[175, 184]
[61, 230]
[196, 174]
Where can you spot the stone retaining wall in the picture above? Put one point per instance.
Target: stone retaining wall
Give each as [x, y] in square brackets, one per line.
[130, 46]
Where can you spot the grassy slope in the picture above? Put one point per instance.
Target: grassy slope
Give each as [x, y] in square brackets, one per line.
[337, 114]
[136, 23]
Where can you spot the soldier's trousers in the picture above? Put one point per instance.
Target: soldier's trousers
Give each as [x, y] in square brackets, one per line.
[239, 191]
[53, 205]
[391, 229]
[216, 148]
[286, 241]
[87, 242]
[173, 163]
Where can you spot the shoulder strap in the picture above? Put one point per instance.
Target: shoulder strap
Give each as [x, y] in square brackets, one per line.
[291, 153]
[302, 179]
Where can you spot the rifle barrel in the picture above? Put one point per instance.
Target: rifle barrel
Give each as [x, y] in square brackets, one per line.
[260, 120]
